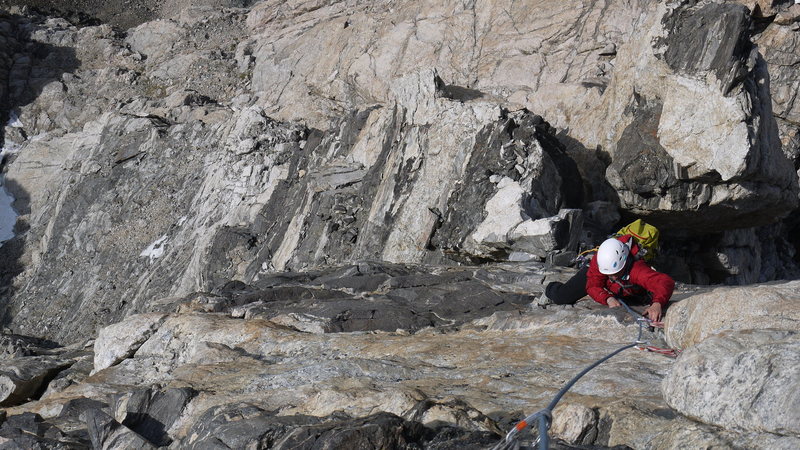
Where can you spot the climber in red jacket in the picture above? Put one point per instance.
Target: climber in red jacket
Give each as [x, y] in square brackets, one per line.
[615, 273]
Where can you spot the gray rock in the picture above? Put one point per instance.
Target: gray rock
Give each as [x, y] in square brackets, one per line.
[451, 411]
[72, 416]
[746, 380]
[375, 296]
[107, 434]
[80, 369]
[243, 425]
[151, 413]
[692, 53]
[768, 306]
[543, 237]
[120, 341]
[15, 346]
[240, 426]
[672, 173]
[575, 424]
[30, 431]
[378, 431]
[514, 197]
[22, 378]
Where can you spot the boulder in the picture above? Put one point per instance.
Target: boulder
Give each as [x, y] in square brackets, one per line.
[449, 412]
[512, 176]
[244, 425]
[680, 101]
[544, 237]
[23, 378]
[150, 413]
[31, 431]
[15, 346]
[740, 379]
[119, 341]
[80, 369]
[575, 423]
[240, 426]
[108, 434]
[381, 430]
[702, 315]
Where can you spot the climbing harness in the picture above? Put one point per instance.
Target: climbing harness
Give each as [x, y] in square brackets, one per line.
[544, 418]
[584, 257]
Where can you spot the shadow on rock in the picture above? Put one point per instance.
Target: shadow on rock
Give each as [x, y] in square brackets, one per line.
[11, 251]
[26, 67]
[367, 296]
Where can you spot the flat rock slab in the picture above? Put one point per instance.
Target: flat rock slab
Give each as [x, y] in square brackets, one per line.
[257, 380]
[765, 306]
[373, 296]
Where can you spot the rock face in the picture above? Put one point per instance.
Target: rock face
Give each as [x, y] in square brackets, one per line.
[778, 44]
[179, 160]
[703, 136]
[248, 366]
[268, 215]
[745, 380]
[739, 369]
[770, 306]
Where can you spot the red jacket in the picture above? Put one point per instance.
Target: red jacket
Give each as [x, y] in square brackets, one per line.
[640, 278]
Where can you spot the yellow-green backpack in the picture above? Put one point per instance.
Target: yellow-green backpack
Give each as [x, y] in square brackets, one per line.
[646, 236]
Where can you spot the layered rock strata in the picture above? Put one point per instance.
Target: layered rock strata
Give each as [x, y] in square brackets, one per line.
[172, 154]
[190, 181]
[243, 375]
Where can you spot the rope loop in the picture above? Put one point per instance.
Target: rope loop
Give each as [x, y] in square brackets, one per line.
[510, 442]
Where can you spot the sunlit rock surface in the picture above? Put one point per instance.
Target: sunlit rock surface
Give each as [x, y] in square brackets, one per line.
[746, 380]
[464, 378]
[229, 143]
[765, 306]
[204, 199]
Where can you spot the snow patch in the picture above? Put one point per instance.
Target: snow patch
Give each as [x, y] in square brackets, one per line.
[8, 217]
[13, 120]
[156, 249]
[10, 149]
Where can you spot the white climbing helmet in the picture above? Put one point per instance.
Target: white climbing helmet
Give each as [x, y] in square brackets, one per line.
[611, 256]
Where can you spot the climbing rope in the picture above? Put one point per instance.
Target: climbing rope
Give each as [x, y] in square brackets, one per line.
[544, 417]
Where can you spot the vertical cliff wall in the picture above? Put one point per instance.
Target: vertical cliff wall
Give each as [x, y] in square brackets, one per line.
[231, 143]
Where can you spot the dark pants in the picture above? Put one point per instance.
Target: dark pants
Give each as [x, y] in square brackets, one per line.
[570, 292]
[575, 289]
